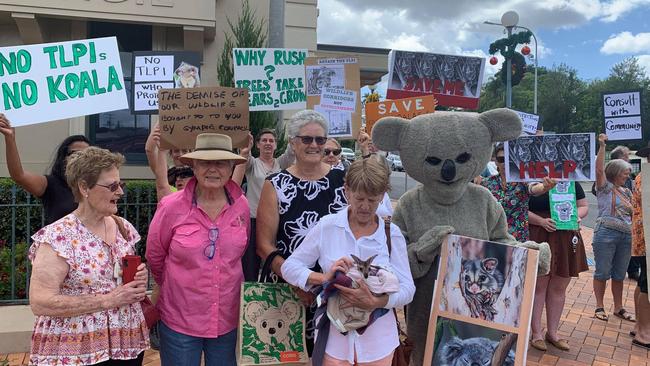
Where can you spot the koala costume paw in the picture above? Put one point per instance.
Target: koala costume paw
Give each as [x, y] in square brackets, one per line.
[544, 263]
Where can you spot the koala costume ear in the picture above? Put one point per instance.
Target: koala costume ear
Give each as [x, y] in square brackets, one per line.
[291, 310]
[387, 133]
[504, 124]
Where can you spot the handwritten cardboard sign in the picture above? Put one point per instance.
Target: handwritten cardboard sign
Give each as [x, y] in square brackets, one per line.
[622, 113]
[338, 99]
[563, 157]
[51, 81]
[529, 122]
[454, 80]
[274, 77]
[186, 113]
[405, 108]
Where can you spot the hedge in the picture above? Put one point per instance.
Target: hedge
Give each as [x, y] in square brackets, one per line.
[21, 215]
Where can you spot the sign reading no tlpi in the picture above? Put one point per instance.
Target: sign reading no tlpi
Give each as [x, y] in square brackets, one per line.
[622, 113]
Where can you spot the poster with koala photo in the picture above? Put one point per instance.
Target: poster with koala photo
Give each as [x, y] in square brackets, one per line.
[271, 326]
[482, 303]
[570, 157]
[564, 207]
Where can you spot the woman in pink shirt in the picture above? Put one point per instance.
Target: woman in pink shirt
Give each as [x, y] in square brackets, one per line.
[194, 248]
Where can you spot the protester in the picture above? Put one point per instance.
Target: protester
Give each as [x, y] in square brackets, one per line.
[256, 171]
[366, 182]
[83, 317]
[513, 196]
[178, 177]
[612, 233]
[332, 154]
[568, 259]
[194, 248]
[293, 200]
[368, 150]
[641, 332]
[52, 188]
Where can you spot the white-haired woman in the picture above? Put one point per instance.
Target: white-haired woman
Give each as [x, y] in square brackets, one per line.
[612, 235]
[294, 200]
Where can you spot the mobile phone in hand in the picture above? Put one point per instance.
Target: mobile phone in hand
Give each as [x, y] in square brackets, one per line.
[130, 265]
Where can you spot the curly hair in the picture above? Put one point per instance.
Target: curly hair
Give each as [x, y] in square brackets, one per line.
[87, 165]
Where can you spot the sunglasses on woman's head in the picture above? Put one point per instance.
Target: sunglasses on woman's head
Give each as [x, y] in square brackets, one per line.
[501, 159]
[336, 152]
[307, 140]
[113, 186]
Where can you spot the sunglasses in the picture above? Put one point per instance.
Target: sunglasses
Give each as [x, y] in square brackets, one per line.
[307, 140]
[211, 248]
[336, 152]
[185, 173]
[113, 186]
[501, 159]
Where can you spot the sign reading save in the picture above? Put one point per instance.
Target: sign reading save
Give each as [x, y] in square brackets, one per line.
[405, 108]
[186, 113]
[51, 81]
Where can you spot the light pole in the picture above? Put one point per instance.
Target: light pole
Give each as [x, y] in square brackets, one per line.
[535, 83]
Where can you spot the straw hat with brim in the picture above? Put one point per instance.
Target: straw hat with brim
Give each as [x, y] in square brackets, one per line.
[645, 152]
[212, 146]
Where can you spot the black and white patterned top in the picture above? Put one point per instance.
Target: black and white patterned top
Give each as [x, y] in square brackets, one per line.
[302, 203]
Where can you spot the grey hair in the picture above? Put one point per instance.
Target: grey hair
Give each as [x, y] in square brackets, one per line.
[616, 167]
[303, 118]
[334, 141]
[618, 152]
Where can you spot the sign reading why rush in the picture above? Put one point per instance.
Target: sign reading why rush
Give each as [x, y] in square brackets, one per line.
[405, 108]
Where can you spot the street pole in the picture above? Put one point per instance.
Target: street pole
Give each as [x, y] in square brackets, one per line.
[536, 66]
[509, 74]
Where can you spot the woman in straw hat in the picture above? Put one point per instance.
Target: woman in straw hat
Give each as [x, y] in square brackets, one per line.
[194, 248]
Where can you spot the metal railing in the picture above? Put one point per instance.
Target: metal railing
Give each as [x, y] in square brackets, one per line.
[21, 215]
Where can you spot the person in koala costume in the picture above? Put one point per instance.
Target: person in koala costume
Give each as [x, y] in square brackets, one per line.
[444, 151]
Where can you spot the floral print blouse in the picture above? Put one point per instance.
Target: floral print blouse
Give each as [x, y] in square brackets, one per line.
[514, 200]
[119, 333]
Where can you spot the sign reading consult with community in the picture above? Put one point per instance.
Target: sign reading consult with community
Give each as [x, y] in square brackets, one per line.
[46, 82]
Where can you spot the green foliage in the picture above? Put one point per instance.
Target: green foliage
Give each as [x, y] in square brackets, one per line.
[21, 215]
[248, 32]
[518, 64]
[506, 46]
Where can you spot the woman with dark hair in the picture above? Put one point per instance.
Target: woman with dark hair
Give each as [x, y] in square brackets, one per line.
[52, 188]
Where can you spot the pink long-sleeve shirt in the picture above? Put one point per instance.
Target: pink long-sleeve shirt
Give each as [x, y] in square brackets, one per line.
[198, 296]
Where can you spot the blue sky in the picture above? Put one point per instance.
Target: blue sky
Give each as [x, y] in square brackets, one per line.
[588, 35]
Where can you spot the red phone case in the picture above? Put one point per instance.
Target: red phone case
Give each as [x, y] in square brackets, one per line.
[130, 265]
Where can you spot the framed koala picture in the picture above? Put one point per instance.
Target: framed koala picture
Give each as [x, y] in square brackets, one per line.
[482, 303]
[271, 326]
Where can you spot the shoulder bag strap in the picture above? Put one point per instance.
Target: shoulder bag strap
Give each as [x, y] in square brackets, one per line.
[120, 227]
[390, 249]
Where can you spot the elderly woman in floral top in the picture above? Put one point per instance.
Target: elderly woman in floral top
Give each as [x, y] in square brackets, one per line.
[83, 315]
[514, 196]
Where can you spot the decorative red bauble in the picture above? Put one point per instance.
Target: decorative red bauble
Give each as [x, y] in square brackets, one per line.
[525, 50]
[493, 60]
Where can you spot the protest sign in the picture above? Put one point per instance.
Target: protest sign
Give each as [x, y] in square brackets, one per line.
[561, 156]
[564, 208]
[274, 77]
[333, 86]
[186, 113]
[529, 122]
[454, 80]
[50, 81]
[155, 70]
[492, 313]
[405, 108]
[622, 113]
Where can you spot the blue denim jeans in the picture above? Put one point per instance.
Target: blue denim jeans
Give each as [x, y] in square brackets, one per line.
[612, 251]
[177, 349]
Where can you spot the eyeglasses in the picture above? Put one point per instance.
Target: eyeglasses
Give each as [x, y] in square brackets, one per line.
[113, 186]
[307, 140]
[185, 173]
[211, 248]
[336, 152]
[501, 159]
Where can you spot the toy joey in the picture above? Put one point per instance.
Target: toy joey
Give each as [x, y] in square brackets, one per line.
[272, 322]
[444, 151]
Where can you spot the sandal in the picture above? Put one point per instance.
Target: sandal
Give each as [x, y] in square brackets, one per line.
[561, 344]
[601, 315]
[639, 344]
[625, 315]
[539, 344]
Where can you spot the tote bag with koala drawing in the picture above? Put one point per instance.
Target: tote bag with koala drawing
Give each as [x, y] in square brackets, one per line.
[271, 326]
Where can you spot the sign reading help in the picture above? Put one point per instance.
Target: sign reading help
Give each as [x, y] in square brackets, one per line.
[274, 77]
[46, 82]
[186, 113]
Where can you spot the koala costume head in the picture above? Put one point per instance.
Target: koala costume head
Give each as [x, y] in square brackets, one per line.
[272, 322]
[445, 150]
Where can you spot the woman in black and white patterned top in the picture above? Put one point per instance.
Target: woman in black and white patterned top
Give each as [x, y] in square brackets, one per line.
[295, 199]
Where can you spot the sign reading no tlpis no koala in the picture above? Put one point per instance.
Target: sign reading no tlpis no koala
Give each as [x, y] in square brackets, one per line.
[46, 82]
